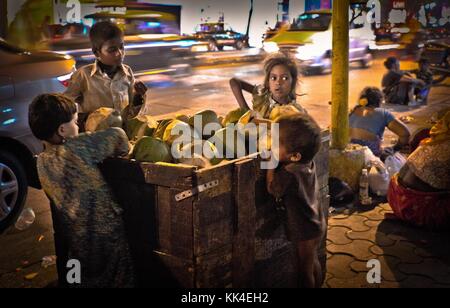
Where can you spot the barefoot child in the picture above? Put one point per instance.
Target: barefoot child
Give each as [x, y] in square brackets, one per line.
[93, 229]
[279, 87]
[294, 185]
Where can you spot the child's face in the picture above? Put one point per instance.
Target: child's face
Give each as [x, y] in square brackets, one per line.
[112, 52]
[282, 154]
[69, 129]
[280, 83]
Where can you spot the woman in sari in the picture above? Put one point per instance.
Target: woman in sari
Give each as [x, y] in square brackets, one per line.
[420, 192]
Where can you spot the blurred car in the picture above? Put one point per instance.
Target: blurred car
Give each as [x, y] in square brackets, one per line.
[386, 34]
[309, 38]
[23, 76]
[437, 52]
[219, 34]
[145, 54]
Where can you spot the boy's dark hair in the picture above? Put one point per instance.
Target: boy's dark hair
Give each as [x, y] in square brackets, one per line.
[390, 62]
[373, 95]
[290, 64]
[47, 112]
[103, 31]
[301, 134]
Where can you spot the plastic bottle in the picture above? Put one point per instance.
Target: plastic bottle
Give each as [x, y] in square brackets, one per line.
[364, 188]
[25, 219]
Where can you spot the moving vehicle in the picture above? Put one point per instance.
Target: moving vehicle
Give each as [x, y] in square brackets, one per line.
[23, 76]
[219, 34]
[309, 37]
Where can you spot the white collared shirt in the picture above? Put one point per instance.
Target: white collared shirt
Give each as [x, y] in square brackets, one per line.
[91, 88]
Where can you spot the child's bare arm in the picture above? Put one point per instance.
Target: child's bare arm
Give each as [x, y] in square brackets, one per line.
[237, 86]
[307, 254]
[277, 181]
[269, 179]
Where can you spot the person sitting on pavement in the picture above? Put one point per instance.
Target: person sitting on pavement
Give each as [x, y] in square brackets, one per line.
[399, 86]
[279, 88]
[423, 73]
[420, 192]
[368, 122]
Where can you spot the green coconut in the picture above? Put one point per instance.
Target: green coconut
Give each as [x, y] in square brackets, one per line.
[182, 117]
[230, 141]
[102, 119]
[143, 125]
[204, 117]
[175, 129]
[203, 148]
[162, 125]
[233, 116]
[151, 150]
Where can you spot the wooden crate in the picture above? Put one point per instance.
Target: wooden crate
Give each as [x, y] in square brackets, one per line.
[189, 236]
[210, 238]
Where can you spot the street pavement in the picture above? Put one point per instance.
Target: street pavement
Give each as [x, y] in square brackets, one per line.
[409, 257]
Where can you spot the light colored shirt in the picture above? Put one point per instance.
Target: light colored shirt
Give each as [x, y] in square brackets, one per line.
[92, 89]
[263, 102]
[375, 122]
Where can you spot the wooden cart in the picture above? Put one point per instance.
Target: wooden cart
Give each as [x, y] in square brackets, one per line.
[213, 227]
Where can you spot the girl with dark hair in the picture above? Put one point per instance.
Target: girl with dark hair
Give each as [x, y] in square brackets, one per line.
[279, 88]
[368, 122]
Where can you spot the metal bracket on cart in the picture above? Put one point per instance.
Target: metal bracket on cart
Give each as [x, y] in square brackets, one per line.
[196, 190]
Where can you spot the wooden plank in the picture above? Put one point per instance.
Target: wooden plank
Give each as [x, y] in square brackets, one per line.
[223, 173]
[214, 270]
[169, 175]
[213, 210]
[213, 223]
[179, 269]
[209, 271]
[163, 214]
[245, 222]
[175, 223]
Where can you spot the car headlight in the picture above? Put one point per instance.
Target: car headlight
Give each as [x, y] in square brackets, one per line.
[306, 52]
[199, 48]
[320, 43]
[271, 47]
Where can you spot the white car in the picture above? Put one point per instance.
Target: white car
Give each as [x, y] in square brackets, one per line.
[310, 39]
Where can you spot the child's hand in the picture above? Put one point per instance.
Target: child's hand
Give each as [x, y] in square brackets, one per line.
[140, 88]
[269, 179]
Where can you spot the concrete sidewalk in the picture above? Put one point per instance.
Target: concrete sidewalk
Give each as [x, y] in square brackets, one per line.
[410, 257]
